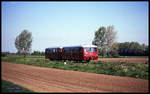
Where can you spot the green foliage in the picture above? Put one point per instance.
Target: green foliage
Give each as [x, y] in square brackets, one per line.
[116, 55]
[132, 49]
[23, 42]
[9, 87]
[3, 54]
[38, 53]
[104, 39]
[135, 70]
[100, 40]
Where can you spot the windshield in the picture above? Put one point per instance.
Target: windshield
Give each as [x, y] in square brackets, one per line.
[88, 49]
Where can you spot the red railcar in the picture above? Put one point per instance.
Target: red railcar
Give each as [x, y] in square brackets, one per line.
[53, 53]
[76, 53]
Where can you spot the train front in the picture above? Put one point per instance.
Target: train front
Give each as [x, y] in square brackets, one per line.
[90, 53]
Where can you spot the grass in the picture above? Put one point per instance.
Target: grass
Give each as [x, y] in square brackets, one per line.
[136, 70]
[35, 56]
[9, 87]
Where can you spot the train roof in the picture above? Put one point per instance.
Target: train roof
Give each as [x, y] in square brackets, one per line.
[78, 46]
[53, 47]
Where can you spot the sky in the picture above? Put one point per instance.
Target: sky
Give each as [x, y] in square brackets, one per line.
[72, 23]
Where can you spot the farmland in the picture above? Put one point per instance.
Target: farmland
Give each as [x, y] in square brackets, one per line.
[41, 79]
[129, 60]
[122, 68]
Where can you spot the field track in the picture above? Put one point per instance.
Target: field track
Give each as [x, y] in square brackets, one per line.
[133, 60]
[40, 79]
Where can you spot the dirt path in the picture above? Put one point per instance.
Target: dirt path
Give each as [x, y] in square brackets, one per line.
[133, 60]
[41, 79]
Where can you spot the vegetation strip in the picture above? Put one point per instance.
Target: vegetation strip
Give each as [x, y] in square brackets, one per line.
[11, 87]
[136, 70]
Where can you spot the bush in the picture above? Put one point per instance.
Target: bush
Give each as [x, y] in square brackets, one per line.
[116, 55]
[3, 55]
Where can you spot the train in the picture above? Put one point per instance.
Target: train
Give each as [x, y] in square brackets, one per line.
[72, 53]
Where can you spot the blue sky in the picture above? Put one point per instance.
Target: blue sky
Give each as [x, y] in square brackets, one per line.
[72, 23]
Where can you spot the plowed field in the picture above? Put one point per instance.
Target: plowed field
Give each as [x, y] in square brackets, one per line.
[133, 60]
[40, 79]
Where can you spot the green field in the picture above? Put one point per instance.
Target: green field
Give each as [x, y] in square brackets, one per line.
[9, 87]
[136, 70]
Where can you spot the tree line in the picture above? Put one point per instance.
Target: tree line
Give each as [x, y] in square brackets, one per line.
[105, 40]
[38, 53]
[133, 49]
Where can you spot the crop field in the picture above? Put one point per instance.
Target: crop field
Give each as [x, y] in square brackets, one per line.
[123, 68]
[42, 79]
[124, 57]
[129, 60]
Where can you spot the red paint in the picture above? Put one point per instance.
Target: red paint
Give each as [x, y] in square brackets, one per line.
[76, 53]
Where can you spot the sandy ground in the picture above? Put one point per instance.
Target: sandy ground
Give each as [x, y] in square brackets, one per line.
[41, 79]
[133, 60]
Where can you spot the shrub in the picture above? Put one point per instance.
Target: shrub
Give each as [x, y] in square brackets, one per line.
[116, 55]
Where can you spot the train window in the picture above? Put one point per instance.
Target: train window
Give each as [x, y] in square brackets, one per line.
[56, 50]
[80, 50]
[85, 50]
[66, 50]
[72, 50]
[46, 51]
[69, 50]
[53, 50]
[90, 49]
[75, 50]
[63, 50]
[95, 50]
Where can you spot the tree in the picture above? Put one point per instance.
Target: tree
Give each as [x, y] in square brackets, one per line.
[104, 39]
[132, 49]
[23, 42]
[100, 40]
[114, 50]
[110, 39]
[42, 53]
[146, 51]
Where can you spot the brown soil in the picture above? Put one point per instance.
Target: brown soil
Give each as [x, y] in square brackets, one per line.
[40, 79]
[133, 60]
